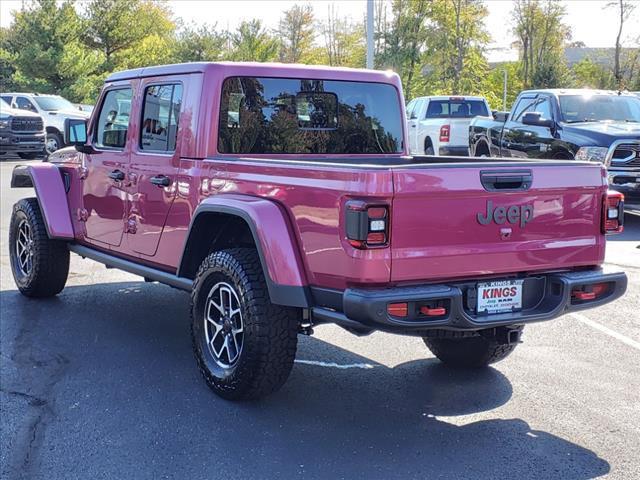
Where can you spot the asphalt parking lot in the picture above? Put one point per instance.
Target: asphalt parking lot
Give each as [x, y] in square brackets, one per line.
[100, 382]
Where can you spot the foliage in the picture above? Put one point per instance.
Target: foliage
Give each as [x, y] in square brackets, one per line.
[251, 42]
[343, 42]
[436, 46]
[199, 44]
[541, 35]
[295, 31]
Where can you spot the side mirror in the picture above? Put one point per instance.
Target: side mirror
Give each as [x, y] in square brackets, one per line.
[535, 119]
[75, 133]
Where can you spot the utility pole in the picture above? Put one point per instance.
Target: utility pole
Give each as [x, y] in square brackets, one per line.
[370, 34]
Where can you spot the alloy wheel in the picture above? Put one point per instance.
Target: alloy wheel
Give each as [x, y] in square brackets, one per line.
[223, 325]
[24, 248]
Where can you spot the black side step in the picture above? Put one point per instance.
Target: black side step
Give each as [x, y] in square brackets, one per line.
[154, 274]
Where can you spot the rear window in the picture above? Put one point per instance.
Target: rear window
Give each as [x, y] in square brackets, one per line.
[301, 116]
[457, 108]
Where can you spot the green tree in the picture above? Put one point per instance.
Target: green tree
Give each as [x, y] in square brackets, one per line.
[455, 45]
[404, 39]
[343, 41]
[129, 32]
[588, 74]
[40, 37]
[296, 33]
[542, 35]
[199, 44]
[494, 85]
[251, 42]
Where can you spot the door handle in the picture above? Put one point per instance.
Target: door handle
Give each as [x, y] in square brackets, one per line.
[117, 175]
[160, 180]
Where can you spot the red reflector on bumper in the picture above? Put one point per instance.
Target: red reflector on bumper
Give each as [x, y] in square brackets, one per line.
[433, 312]
[398, 309]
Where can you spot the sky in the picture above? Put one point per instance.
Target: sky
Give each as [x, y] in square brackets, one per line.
[590, 21]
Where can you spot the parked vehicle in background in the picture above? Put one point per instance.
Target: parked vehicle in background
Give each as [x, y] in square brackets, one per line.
[53, 109]
[85, 107]
[293, 202]
[440, 125]
[597, 126]
[21, 132]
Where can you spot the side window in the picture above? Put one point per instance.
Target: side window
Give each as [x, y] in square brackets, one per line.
[525, 104]
[23, 103]
[160, 117]
[410, 108]
[113, 121]
[544, 108]
[7, 98]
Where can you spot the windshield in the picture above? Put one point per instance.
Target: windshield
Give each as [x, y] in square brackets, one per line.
[293, 115]
[50, 104]
[598, 108]
[454, 108]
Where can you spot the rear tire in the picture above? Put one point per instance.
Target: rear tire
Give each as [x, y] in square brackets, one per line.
[40, 265]
[468, 352]
[244, 345]
[428, 149]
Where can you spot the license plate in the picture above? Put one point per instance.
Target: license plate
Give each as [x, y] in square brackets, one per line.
[499, 297]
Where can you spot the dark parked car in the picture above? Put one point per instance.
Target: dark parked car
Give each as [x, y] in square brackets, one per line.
[597, 126]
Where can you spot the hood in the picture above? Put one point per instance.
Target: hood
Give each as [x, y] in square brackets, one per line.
[603, 133]
[5, 112]
[70, 113]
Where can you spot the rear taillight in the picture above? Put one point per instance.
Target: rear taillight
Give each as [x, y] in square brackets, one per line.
[367, 226]
[612, 212]
[445, 132]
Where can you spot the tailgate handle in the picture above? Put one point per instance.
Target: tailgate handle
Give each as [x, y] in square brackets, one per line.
[506, 180]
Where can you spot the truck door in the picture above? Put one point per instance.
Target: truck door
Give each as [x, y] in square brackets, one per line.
[104, 193]
[536, 140]
[512, 140]
[155, 162]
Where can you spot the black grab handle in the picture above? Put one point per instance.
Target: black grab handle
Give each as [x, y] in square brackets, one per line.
[506, 180]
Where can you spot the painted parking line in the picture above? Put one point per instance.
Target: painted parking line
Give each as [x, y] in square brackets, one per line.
[364, 366]
[618, 336]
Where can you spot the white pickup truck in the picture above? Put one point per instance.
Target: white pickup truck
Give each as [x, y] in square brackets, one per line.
[440, 125]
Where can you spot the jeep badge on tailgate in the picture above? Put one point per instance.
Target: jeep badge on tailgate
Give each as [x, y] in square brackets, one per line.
[513, 214]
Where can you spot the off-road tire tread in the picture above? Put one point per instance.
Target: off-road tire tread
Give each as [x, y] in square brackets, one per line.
[50, 259]
[470, 352]
[272, 328]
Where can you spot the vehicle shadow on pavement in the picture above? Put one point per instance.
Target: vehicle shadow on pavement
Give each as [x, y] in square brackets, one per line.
[113, 388]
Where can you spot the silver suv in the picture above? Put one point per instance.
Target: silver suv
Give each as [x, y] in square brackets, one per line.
[53, 109]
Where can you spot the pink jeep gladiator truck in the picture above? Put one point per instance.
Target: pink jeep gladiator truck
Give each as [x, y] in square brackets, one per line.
[283, 197]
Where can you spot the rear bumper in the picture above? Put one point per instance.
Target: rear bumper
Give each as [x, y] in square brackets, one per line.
[27, 142]
[546, 297]
[454, 151]
[627, 182]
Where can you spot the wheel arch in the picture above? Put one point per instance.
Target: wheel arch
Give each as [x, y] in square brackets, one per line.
[51, 193]
[238, 220]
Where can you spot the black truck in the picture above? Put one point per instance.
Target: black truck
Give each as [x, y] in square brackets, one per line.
[592, 125]
[21, 132]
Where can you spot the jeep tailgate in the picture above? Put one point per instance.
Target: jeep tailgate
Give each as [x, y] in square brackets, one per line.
[543, 216]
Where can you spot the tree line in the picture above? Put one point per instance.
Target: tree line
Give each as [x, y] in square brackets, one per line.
[436, 46]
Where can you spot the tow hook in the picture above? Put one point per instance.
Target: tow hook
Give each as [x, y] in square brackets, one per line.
[504, 335]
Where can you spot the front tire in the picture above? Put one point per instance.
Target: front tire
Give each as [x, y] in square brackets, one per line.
[40, 265]
[244, 345]
[468, 352]
[53, 142]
